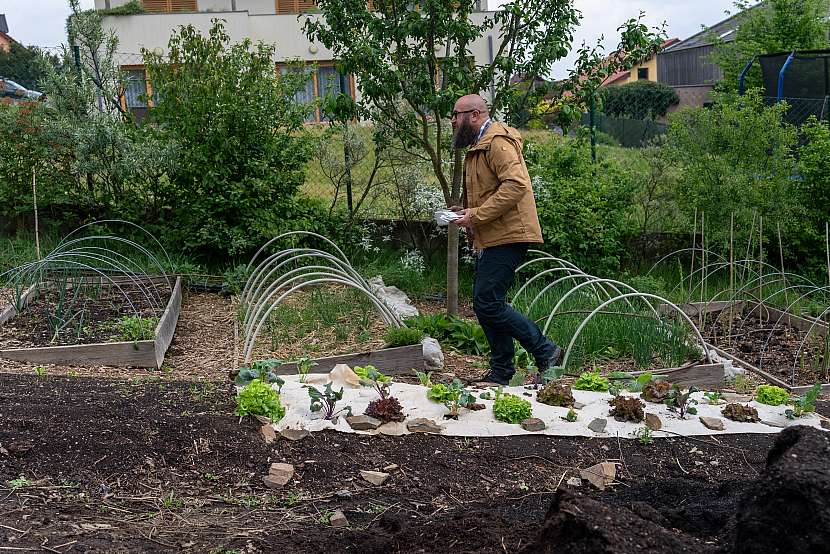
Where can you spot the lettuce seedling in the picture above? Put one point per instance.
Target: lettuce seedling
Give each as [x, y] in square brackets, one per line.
[424, 378]
[570, 416]
[805, 404]
[258, 398]
[511, 409]
[304, 365]
[591, 380]
[771, 395]
[327, 399]
[262, 370]
[453, 396]
[371, 377]
[681, 402]
[712, 397]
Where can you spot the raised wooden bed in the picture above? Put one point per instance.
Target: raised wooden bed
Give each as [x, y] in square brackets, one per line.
[705, 376]
[144, 353]
[770, 314]
[391, 361]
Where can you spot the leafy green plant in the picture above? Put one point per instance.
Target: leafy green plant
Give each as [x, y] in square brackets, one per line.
[403, 336]
[262, 370]
[136, 328]
[570, 416]
[771, 395]
[591, 380]
[805, 404]
[304, 365]
[741, 384]
[424, 378]
[454, 396]
[370, 376]
[19, 483]
[644, 435]
[258, 398]
[713, 397]
[40, 371]
[326, 401]
[682, 402]
[511, 409]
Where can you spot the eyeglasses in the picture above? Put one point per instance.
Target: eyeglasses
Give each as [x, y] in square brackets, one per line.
[456, 114]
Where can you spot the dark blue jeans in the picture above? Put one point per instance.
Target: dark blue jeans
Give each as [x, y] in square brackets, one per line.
[494, 275]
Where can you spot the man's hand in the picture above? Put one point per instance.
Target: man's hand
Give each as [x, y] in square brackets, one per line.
[466, 218]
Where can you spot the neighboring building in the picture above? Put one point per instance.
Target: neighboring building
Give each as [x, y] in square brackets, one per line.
[270, 21]
[687, 65]
[643, 71]
[5, 39]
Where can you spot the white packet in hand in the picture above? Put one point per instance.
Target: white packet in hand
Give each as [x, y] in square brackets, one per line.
[444, 217]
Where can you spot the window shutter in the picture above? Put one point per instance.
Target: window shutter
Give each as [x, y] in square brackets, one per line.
[169, 5]
[183, 5]
[305, 5]
[285, 6]
[154, 5]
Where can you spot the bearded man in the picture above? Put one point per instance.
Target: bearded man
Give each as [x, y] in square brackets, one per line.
[500, 213]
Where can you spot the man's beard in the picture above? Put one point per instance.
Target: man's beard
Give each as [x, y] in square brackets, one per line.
[465, 135]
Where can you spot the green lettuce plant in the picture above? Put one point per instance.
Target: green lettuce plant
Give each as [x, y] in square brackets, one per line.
[591, 380]
[771, 395]
[511, 409]
[258, 398]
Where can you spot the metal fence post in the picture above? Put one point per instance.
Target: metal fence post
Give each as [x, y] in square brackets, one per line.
[347, 164]
[592, 130]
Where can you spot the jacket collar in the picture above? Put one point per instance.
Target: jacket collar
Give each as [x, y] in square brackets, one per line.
[494, 130]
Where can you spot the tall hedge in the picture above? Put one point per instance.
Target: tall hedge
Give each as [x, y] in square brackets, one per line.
[639, 100]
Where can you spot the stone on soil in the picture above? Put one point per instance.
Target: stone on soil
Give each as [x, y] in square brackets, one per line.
[533, 424]
[600, 475]
[338, 519]
[278, 475]
[374, 477]
[578, 405]
[653, 422]
[423, 425]
[598, 425]
[393, 429]
[363, 422]
[268, 433]
[825, 424]
[574, 482]
[294, 434]
[713, 423]
[343, 376]
[391, 467]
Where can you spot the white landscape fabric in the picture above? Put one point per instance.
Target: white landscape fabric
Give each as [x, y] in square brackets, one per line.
[481, 423]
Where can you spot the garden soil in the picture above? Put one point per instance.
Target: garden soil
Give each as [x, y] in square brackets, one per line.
[157, 465]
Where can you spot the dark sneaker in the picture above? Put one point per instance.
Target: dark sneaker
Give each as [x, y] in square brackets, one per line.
[489, 379]
[553, 361]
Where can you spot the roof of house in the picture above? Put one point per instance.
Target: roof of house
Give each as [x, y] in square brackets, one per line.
[611, 79]
[725, 30]
[4, 27]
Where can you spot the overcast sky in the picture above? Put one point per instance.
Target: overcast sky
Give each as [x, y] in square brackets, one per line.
[41, 22]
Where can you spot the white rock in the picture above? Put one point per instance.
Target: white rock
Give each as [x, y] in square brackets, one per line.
[433, 355]
[574, 482]
[374, 477]
[343, 376]
[600, 475]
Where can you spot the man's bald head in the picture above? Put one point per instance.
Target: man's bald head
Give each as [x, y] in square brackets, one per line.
[469, 114]
[472, 102]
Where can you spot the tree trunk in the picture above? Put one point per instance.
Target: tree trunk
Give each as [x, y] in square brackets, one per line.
[452, 269]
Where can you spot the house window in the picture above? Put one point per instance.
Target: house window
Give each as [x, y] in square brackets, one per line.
[169, 5]
[294, 6]
[642, 74]
[325, 80]
[135, 89]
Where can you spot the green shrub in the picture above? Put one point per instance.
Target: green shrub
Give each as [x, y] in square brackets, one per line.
[591, 380]
[771, 395]
[511, 409]
[258, 398]
[403, 336]
[638, 100]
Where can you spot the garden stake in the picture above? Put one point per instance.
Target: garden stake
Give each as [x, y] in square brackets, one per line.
[34, 201]
[692, 268]
[761, 261]
[781, 258]
[827, 248]
[731, 273]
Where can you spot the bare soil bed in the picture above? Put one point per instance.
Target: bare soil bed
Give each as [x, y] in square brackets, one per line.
[769, 346]
[49, 320]
[152, 465]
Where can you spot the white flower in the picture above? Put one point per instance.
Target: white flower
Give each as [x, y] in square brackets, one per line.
[414, 261]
